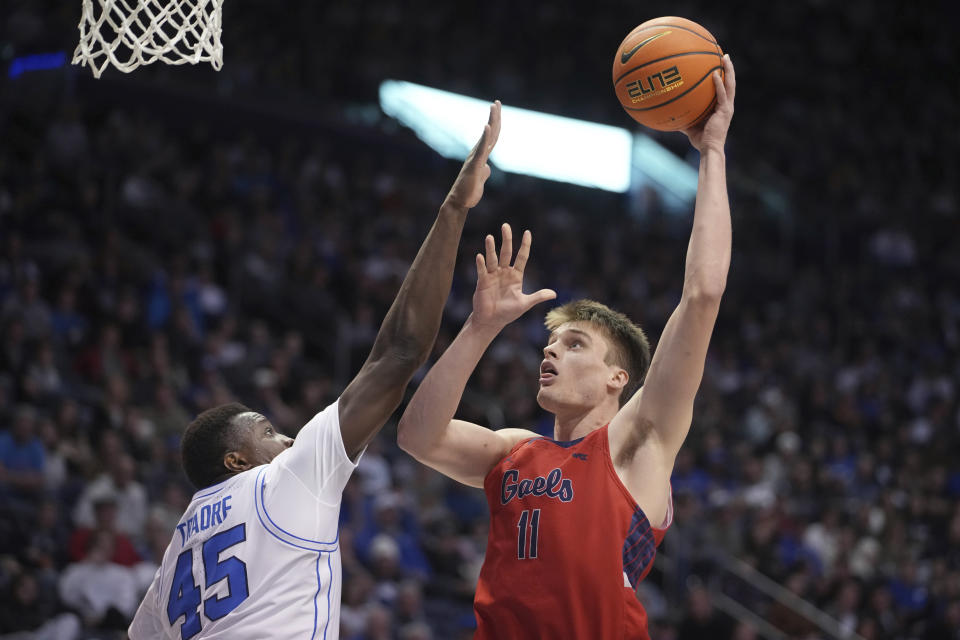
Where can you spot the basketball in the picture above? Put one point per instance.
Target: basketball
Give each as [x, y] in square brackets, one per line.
[661, 73]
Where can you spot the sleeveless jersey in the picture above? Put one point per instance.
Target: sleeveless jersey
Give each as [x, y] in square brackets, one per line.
[567, 547]
[257, 556]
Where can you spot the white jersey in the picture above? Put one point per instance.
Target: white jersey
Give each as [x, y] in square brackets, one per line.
[258, 556]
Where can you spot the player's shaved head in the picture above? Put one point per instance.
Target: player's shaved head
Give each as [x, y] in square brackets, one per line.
[210, 436]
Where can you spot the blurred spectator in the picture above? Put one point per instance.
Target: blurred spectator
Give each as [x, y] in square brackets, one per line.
[29, 612]
[29, 308]
[415, 631]
[385, 566]
[392, 520]
[948, 628]
[702, 622]
[379, 624]
[69, 326]
[166, 511]
[43, 380]
[105, 525]
[353, 613]
[786, 619]
[167, 414]
[22, 456]
[744, 631]
[409, 603]
[47, 538]
[907, 591]
[74, 444]
[103, 593]
[120, 485]
[846, 607]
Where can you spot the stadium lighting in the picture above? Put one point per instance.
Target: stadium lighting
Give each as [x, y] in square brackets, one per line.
[531, 143]
[669, 175]
[542, 144]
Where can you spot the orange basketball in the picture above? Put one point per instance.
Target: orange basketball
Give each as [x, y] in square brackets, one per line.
[661, 73]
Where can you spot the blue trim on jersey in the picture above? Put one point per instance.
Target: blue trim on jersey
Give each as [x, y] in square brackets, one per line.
[263, 502]
[329, 589]
[320, 546]
[219, 488]
[639, 547]
[566, 444]
[315, 613]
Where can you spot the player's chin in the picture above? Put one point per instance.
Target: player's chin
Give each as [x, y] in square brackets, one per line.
[545, 398]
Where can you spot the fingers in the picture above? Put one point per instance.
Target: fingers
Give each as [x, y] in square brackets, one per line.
[721, 90]
[494, 123]
[506, 245]
[524, 252]
[541, 296]
[491, 248]
[533, 299]
[481, 266]
[488, 139]
[729, 77]
[478, 151]
[491, 262]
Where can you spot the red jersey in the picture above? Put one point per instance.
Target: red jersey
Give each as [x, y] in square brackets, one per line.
[567, 547]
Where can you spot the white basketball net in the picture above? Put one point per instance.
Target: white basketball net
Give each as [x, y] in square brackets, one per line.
[130, 33]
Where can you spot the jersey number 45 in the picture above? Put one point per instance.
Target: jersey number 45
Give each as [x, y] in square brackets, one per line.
[185, 598]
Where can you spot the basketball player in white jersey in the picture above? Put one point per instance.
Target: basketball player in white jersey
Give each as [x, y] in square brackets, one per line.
[256, 554]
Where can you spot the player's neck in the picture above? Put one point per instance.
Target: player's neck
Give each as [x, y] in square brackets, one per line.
[580, 422]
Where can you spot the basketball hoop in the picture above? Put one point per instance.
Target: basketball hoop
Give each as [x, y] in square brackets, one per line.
[131, 33]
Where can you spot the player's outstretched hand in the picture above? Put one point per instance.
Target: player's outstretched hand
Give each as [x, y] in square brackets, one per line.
[468, 187]
[712, 132]
[499, 298]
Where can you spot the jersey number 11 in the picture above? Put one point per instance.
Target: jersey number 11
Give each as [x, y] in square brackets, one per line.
[533, 519]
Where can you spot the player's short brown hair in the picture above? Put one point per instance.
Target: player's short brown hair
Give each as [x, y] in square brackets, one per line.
[207, 439]
[629, 347]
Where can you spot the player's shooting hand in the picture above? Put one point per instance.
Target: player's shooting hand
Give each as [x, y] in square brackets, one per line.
[712, 132]
[468, 187]
[499, 298]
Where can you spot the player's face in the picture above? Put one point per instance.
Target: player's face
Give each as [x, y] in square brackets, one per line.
[260, 442]
[573, 374]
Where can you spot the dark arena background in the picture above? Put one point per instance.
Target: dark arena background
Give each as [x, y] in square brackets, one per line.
[178, 237]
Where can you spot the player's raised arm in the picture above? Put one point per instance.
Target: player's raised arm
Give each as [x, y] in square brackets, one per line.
[410, 327]
[463, 451]
[665, 403]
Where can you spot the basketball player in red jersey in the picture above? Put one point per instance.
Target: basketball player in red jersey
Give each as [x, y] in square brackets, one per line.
[575, 520]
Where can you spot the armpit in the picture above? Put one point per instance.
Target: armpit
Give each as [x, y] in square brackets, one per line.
[635, 438]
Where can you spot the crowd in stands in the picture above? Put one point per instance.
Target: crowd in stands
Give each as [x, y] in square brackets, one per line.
[149, 271]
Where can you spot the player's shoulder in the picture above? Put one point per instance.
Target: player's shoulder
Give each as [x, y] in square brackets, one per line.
[514, 439]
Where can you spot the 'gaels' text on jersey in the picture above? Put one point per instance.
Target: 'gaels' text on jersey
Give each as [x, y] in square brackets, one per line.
[567, 547]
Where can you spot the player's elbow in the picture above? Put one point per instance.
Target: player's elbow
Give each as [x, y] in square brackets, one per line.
[705, 280]
[399, 361]
[705, 289]
[706, 295]
[405, 439]
[410, 357]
